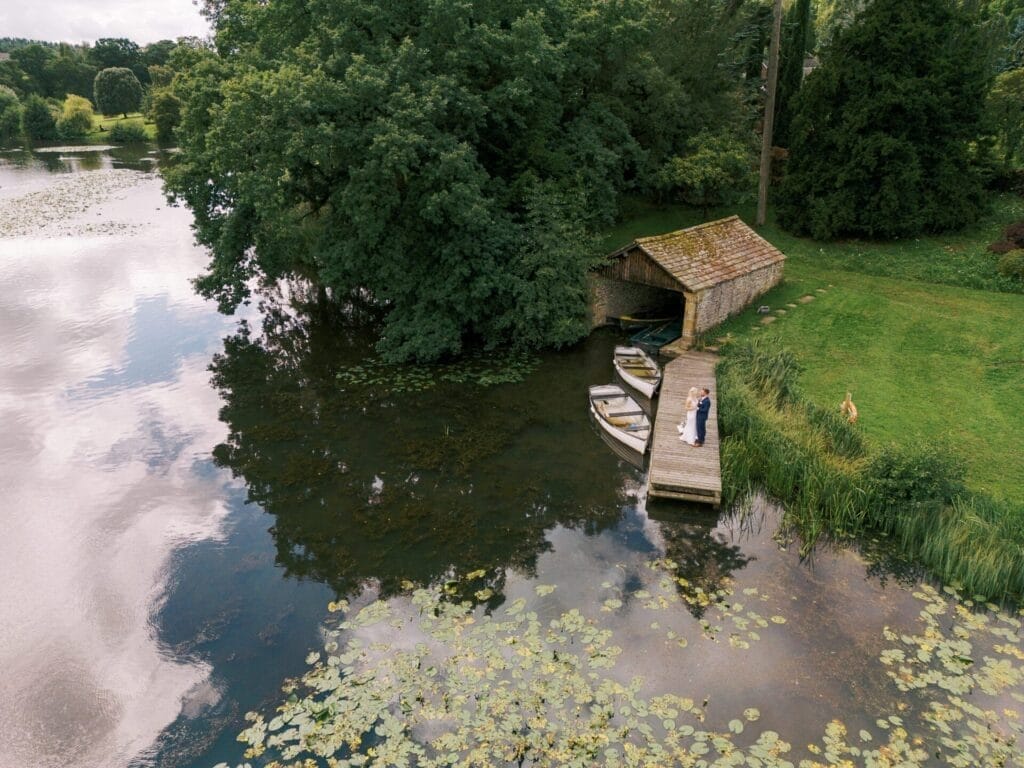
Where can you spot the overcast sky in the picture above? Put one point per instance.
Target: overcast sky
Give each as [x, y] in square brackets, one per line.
[76, 21]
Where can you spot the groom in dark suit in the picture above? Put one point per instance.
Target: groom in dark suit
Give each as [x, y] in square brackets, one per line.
[703, 407]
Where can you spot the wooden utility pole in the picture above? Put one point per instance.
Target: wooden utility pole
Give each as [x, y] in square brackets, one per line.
[769, 114]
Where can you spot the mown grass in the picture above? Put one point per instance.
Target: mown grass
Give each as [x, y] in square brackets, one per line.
[925, 363]
[102, 125]
[928, 338]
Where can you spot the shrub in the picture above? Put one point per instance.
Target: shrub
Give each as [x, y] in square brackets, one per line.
[1011, 264]
[38, 121]
[1012, 239]
[128, 133]
[75, 118]
[10, 115]
[920, 480]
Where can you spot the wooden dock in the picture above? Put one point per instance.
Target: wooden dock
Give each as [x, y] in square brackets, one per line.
[678, 470]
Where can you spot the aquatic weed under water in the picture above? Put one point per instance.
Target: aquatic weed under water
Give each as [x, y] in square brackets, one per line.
[479, 369]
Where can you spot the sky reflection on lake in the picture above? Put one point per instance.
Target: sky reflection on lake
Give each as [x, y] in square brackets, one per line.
[107, 417]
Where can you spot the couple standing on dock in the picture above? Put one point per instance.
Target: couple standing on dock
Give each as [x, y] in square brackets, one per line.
[694, 426]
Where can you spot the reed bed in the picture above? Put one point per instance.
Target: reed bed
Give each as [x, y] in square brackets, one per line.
[832, 482]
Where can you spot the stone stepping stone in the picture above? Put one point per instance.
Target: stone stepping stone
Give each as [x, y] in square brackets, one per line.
[791, 306]
[780, 312]
[821, 290]
[768, 319]
[806, 299]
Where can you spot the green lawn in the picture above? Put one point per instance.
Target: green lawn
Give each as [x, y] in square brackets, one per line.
[101, 125]
[925, 358]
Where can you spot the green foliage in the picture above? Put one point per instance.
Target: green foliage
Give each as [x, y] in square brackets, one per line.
[919, 480]
[1011, 265]
[38, 121]
[157, 54]
[117, 89]
[75, 118]
[160, 75]
[32, 60]
[797, 22]
[1005, 110]
[128, 133]
[881, 140]
[165, 112]
[10, 115]
[119, 53]
[450, 169]
[717, 170]
[69, 71]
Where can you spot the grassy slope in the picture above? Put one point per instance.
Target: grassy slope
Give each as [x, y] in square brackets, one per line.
[924, 361]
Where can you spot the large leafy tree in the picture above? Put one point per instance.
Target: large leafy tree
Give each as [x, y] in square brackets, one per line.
[443, 157]
[117, 90]
[882, 135]
[717, 169]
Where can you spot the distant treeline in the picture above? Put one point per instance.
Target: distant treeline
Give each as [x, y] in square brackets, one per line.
[55, 70]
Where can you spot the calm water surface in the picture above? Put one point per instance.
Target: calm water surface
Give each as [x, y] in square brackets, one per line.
[184, 493]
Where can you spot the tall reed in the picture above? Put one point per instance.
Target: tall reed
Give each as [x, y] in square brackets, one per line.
[832, 482]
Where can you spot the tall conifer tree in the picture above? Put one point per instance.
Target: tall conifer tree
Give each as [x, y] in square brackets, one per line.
[882, 132]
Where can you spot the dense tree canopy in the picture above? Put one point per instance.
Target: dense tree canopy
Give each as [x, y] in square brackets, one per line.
[117, 90]
[38, 121]
[882, 137]
[10, 115]
[446, 157]
[791, 67]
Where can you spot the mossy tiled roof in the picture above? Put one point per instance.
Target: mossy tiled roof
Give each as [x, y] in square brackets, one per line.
[708, 254]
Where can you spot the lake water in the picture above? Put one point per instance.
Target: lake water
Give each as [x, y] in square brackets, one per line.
[184, 493]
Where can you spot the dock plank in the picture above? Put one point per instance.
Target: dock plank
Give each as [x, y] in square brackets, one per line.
[678, 470]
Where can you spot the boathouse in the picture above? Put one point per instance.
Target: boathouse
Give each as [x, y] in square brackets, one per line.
[702, 275]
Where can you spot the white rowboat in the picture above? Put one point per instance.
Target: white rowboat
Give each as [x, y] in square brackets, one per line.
[620, 416]
[638, 370]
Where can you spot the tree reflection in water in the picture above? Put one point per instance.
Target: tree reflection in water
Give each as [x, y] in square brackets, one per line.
[370, 485]
[704, 558]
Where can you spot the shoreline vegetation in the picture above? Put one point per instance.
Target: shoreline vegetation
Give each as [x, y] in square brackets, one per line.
[834, 483]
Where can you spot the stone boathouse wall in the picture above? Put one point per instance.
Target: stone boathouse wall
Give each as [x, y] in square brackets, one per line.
[721, 301]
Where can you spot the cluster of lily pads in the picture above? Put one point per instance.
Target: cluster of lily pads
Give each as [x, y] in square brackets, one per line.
[56, 210]
[479, 369]
[719, 608]
[424, 680]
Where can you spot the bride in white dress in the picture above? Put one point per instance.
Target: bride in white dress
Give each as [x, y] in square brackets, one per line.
[689, 426]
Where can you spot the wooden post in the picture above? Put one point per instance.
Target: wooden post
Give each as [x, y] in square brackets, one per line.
[769, 114]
